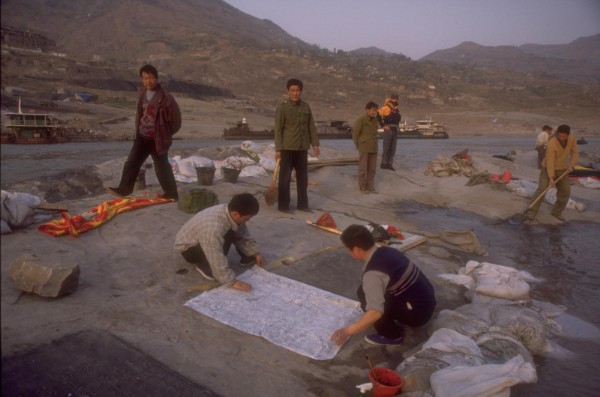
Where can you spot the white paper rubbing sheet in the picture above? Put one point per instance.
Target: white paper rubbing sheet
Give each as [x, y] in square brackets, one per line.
[287, 313]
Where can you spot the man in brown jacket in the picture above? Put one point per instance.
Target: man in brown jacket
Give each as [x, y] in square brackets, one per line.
[561, 157]
[158, 118]
[364, 135]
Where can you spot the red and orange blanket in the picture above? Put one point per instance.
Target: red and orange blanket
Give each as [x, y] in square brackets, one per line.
[81, 223]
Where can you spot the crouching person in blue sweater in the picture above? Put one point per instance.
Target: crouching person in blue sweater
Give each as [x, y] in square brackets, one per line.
[393, 293]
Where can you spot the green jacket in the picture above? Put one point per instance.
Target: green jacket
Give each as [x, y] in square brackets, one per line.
[294, 126]
[364, 134]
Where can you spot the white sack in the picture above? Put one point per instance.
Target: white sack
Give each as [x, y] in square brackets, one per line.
[267, 163]
[187, 166]
[253, 170]
[449, 340]
[17, 209]
[490, 380]
[589, 182]
[251, 146]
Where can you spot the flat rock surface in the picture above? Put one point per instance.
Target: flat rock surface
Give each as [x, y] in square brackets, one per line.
[133, 284]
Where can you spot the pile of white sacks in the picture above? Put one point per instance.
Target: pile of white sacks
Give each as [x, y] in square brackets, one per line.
[484, 347]
[257, 163]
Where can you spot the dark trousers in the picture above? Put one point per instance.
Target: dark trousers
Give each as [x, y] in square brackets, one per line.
[390, 139]
[141, 149]
[541, 151]
[397, 313]
[298, 160]
[196, 255]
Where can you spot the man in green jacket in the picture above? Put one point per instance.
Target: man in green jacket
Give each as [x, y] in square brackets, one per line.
[295, 132]
[364, 136]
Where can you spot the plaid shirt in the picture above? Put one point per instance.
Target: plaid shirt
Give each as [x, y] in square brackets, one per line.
[208, 228]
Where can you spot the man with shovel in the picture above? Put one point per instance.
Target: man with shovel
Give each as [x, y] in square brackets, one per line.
[561, 159]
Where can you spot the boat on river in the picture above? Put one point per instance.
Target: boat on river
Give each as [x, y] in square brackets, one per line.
[422, 129]
[335, 129]
[32, 128]
[241, 130]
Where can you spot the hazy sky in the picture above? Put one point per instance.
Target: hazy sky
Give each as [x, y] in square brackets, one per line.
[418, 27]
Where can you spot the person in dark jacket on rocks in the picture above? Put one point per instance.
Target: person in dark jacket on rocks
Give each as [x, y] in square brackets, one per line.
[364, 135]
[158, 118]
[393, 293]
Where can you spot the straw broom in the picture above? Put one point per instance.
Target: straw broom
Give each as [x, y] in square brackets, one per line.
[271, 194]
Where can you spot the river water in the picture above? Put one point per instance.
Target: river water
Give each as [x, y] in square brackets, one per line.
[566, 256]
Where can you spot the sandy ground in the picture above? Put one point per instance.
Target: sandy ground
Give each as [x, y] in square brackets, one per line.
[133, 284]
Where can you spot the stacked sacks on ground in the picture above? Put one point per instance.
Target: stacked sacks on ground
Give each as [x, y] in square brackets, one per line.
[251, 162]
[484, 347]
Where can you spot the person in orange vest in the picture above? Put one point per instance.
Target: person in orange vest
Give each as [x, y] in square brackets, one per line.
[389, 118]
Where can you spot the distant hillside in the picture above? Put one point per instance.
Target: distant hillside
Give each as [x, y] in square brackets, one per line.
[138, 30]
[577, 61]
[209, 49]
[584, 48]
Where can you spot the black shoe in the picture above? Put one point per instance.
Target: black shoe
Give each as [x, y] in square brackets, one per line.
[117, 191]
[380, 340]
[248, 262]
[174, 197]
[205, 271]
[391, 168]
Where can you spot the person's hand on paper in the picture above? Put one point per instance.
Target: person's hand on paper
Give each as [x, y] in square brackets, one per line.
[260, 260]
[340, 336]
[242, 286]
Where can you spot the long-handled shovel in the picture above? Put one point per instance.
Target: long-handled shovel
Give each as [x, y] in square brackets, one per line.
[519, 218]
[538, 198]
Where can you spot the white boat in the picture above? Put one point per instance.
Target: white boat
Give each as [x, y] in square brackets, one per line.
[422, 129]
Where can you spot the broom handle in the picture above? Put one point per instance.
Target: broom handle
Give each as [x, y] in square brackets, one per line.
[546, 190]
[275, 171]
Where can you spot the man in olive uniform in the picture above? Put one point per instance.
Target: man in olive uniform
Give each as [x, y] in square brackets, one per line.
[364, 135]
[295, 132]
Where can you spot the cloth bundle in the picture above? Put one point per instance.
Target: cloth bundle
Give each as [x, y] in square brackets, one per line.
[77, 224]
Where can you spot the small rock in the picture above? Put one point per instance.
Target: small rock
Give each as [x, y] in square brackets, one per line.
[44, 279]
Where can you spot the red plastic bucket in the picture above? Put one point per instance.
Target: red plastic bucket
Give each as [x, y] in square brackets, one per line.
[386, 383]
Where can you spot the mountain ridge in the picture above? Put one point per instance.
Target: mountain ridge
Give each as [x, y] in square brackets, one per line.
[209, 43]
